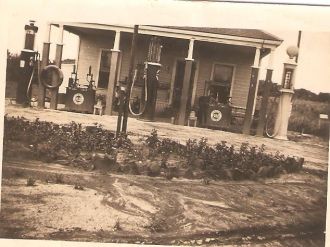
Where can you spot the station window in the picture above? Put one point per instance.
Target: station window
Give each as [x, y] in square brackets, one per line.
[104, 71]
[221, 80]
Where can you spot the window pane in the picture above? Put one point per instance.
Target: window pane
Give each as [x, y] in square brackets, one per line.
[222, 73]
[104, 69]
[105, 61]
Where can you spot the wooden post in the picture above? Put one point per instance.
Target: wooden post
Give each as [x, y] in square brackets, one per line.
[265, 97]
[185, 91]
[182, 116]
[115, 52]
[58, 62]
[44, 63]
[120, 111]
[130, 78]
[264, 103]
[252, 93]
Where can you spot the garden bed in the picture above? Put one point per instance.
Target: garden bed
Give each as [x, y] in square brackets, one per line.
[94, 148]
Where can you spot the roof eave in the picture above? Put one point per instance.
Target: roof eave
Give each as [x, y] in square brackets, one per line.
[182, 34]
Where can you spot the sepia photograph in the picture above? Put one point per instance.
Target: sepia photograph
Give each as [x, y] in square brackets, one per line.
[124, 125]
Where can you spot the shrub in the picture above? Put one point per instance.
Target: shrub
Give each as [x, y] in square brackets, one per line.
[305, 117]
[30, 182]
[48, 139]
[13, 69]
[225, 161]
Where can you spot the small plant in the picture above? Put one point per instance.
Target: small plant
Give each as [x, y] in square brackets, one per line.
[152, 140]
[59, 178]
[117, 226]
[206, 181]
[18, 173]
[157, 224]
[30, 182]
[171, 172]
[154, 169]
[78, 187]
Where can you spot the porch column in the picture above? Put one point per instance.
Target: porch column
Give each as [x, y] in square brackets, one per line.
[186, 84]
[115, 52]
[58, 62]
[265, 96]
[44, 63]
[252, 93]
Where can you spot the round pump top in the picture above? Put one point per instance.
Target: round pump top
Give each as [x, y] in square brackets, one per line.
[31, 27]
[292, 51]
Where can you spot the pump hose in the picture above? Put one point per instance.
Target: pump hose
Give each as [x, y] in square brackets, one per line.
[145, 97]
[29, 86]
[30, 81]
[268, 120]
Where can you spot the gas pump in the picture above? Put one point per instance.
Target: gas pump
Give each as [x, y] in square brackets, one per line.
[28, 60]
[73, 80]
[215, 107]
[80, 98]
[151, 81]
[285, 102]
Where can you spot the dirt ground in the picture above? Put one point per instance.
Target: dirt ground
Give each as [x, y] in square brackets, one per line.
[89, 206]
[70, 204]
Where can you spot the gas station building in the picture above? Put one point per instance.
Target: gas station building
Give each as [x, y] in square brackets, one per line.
[194, 62]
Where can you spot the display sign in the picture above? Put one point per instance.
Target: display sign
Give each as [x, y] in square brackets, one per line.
[216, 115]
[78, 98]
[287, 78]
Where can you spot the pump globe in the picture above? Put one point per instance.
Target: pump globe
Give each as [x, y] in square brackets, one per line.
[292, 51]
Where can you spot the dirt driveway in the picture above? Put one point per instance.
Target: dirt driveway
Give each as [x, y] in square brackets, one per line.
[68, 204]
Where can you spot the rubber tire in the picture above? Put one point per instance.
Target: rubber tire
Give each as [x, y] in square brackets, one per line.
[49, 69]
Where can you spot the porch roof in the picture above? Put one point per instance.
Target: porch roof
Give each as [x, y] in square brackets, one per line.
[241, 37]
[248, 33]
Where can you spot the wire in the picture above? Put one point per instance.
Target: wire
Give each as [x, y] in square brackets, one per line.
[145, 93]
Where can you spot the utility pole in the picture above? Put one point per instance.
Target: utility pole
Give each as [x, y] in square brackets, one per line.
[130, 78]
[298, 44]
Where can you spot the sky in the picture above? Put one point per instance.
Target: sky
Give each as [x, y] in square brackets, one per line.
[283, 21]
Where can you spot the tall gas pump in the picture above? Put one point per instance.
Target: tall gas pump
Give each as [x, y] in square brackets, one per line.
[287, 91]
[28, 58]
[152, 70]
[151, 82]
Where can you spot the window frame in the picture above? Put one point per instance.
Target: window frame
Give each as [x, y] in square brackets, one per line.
[233, 76]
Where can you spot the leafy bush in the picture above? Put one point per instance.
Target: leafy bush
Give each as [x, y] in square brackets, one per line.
[305, 117]
[195, 159]
[226, 162]
[47, 140]
[12, 71]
